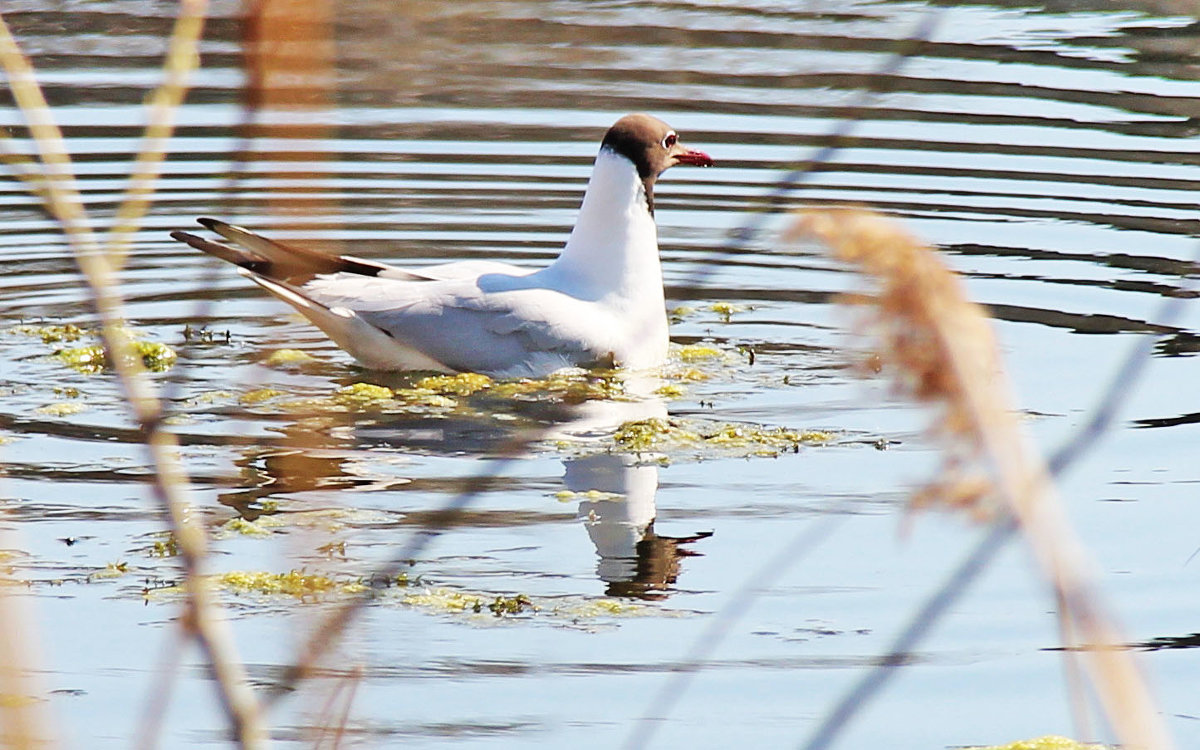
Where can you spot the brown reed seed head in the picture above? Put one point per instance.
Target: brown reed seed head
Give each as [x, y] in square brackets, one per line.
[935, 342]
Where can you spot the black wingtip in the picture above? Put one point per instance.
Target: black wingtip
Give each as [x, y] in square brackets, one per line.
[209, 223]
[185, 237]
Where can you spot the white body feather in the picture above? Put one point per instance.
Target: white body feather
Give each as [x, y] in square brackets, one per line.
[601, 299]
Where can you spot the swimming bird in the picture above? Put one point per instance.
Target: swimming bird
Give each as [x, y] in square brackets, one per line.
[599, 303]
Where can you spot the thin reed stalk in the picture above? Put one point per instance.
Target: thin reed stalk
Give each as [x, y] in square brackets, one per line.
[98, 265]
[24, 720]
[942, 352]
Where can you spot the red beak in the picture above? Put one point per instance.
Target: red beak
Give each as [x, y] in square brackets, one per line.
[694, 158]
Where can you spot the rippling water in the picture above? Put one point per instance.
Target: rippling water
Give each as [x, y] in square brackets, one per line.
[1050, 150]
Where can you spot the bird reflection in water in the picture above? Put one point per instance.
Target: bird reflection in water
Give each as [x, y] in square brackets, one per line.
[634, 560]
[343, 451]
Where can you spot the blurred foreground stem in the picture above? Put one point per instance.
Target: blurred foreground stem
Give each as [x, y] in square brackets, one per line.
[57, 185]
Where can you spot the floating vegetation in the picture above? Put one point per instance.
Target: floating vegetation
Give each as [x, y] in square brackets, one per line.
[592, 609]
[210, 397]
[511, 605]
[698, 353]
[155, 356]
[262, 526]
[294, 583]
[680, 313]
[259, 395]
[111, 570]
[1049, 742]
[85, 359]
[50, 334]
[167, 546]
[706, 439]
[590, 495]
[462, 384]
[362, 394]
[570, 385]
[91, 359]
[61, 409]
[727, 309]
[671, 390]
[287, 358]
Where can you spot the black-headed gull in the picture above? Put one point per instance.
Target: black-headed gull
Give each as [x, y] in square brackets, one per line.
[600, 302]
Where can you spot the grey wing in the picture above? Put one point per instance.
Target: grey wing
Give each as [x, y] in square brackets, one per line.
[522, 332]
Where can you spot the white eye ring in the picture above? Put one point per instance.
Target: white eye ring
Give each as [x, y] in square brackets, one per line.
[670, 139]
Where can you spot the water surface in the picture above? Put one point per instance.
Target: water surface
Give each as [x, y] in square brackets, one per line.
[1049, 150]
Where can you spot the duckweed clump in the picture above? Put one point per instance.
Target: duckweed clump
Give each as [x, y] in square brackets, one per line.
[359, 395]
[713, 439]
[726, 310]
[61, 409]
[698, 353]
[167, 546]
[263, 526]
[570, 385]
[293, 583]
[511, 605]
[91, 359]
[258, 396]
[462, 384]
[1049, 742]
[283, 358]
[110, 570]
[50, 334]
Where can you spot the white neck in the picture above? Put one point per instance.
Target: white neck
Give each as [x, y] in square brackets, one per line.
[614, 246]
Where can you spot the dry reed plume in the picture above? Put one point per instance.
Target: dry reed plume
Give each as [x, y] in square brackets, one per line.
[940, 350]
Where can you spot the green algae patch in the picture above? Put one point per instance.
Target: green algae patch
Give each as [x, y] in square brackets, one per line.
[711, 439]
[359, 395]
[165, 546]
[258, 396]
[680, 313]
[263, 526]
[325, 519]
[451, 601]
[294, 583]
[1049, 742]
[50, 334]
[61, 409]
[86, 359]
[698, 353]
[210, 397]
[287, 358]
[567, 496]
[462, 384]
[593, 609]
[644, 434]
[444, 600]
[91, 359]
[727, 310]
[111, 570]
[569, 385]
[155, 356]
[511, 605]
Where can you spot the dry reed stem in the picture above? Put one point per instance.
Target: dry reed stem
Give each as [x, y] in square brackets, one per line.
[943, 353]
[24, 723]
[62, 199]
[181, 59]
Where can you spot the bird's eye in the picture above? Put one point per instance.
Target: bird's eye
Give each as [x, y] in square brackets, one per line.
[669, 140]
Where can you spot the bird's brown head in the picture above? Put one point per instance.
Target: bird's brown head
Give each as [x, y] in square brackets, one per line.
[653, 146]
